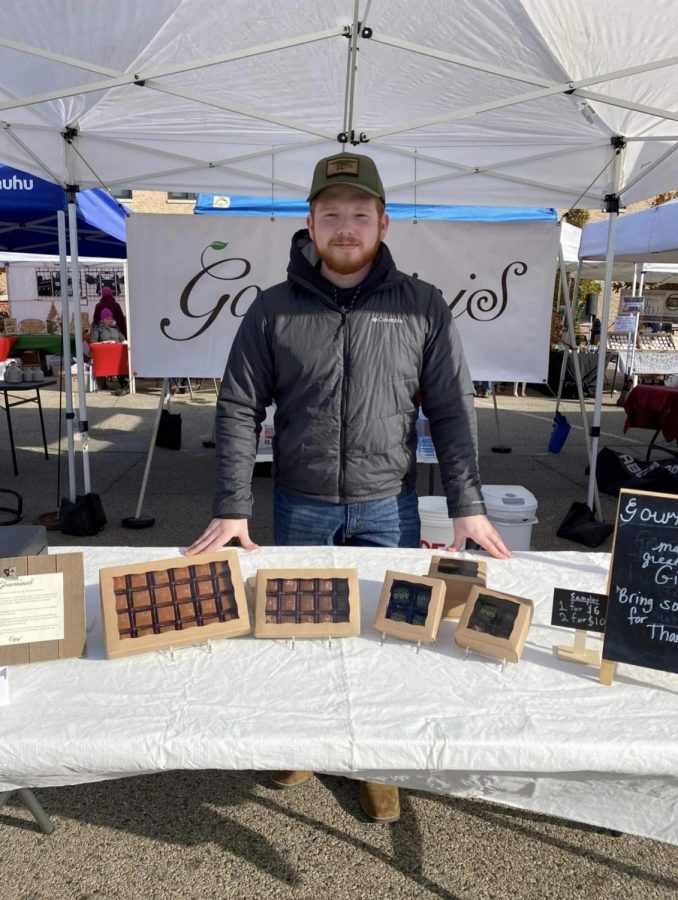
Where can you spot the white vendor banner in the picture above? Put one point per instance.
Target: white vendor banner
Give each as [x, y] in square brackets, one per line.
[192, 279]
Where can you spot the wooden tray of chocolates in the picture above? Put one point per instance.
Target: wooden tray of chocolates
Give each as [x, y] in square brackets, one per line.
[307, 603]
[172, 602]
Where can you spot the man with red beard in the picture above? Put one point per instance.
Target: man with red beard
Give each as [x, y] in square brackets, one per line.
[344, 348]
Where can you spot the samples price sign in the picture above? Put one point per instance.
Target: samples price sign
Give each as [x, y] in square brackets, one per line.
[642, 612]
[579, 609]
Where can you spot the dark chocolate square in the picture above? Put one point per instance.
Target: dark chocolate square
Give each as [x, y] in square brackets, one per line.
[162, 595]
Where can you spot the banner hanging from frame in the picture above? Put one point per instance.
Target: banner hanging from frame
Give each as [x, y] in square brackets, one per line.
[192, 279]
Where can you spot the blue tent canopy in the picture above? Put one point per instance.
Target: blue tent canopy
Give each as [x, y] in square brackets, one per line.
[216, 204]
[28, 220]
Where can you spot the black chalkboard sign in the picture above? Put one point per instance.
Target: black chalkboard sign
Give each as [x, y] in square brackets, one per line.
[642, 610]
[579, 609]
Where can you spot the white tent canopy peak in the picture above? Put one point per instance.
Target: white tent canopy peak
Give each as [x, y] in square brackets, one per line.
[510, 102]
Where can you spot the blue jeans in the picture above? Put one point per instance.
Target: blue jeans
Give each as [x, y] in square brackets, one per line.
[392, 522]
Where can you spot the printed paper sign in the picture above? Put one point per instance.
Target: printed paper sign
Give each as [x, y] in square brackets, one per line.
[31, 609]
[625, 323]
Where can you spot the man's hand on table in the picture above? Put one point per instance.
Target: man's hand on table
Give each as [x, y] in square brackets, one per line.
[220, 532]
[480, 530]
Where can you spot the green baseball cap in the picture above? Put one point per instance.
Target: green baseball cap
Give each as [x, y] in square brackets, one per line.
[347, 168]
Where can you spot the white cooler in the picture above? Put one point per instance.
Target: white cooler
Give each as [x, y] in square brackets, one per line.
[512, 510]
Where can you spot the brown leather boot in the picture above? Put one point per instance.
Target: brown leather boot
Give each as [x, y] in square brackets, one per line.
[380, 802]
[289, 779]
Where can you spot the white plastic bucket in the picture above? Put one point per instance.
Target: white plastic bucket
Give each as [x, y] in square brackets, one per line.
[512, 510]
[437, 530]
[54, 363]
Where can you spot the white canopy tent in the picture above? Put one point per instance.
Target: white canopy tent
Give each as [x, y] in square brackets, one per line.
[510, 102]
[584, 249]
[645, 241]
[502, 102]
[647, 236]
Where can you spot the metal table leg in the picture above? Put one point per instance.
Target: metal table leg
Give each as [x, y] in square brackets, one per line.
[31, 803]
[11, 433]
[42, 423]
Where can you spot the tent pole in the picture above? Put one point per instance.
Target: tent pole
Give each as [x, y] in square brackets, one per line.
[77, 328]
[613, 214]
[132, 379]
[66, 351]
[569, 307]
[137, 520]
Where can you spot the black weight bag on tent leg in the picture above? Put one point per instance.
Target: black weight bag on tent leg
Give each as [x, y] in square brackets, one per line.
[580, 525]
[84, 516]
[169, 430]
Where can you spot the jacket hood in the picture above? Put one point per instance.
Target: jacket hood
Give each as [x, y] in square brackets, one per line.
[303, 267]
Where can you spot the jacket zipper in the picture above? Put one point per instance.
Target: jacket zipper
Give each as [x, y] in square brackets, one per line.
[344, 404]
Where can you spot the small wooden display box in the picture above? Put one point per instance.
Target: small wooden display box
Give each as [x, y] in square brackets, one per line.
[307, 603]
[73, 643]
[459, 575]
[172, 603]
[494, 624]
[410, 607]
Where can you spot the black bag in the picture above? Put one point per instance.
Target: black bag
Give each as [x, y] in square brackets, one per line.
[580, 525]
[615, 470]
[84, 517]
[169, 431]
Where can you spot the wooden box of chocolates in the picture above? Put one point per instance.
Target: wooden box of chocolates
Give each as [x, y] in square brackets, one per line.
[410, 607]
[494, 624]
[172, 602]
[459, 575]
[307, 603]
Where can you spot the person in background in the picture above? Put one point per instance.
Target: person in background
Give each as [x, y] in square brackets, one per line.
[343, 347]
[109, 303]
[107, 331]
[482, 388]
[595, 331]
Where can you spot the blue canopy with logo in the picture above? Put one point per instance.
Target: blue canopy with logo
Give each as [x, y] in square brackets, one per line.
[217, 204]
[28, 217]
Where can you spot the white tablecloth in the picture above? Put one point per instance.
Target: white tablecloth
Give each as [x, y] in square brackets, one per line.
[648, 362]
[542, 734]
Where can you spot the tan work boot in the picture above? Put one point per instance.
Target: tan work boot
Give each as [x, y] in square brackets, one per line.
[289, 779]
[380, 802]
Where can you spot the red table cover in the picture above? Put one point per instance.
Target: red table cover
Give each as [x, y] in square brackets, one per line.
[653, 406]
[6, 346]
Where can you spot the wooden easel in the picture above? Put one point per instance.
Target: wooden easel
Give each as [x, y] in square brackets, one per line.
[607, 670]
[578, 651]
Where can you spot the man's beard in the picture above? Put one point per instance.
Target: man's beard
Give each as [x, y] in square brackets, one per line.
[337, 262]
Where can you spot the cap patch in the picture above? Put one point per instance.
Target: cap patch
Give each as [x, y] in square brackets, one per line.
[344, 165]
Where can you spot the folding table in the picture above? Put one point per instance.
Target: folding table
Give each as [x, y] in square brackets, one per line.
[23, 387]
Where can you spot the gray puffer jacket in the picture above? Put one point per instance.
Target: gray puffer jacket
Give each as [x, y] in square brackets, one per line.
[345, 385]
